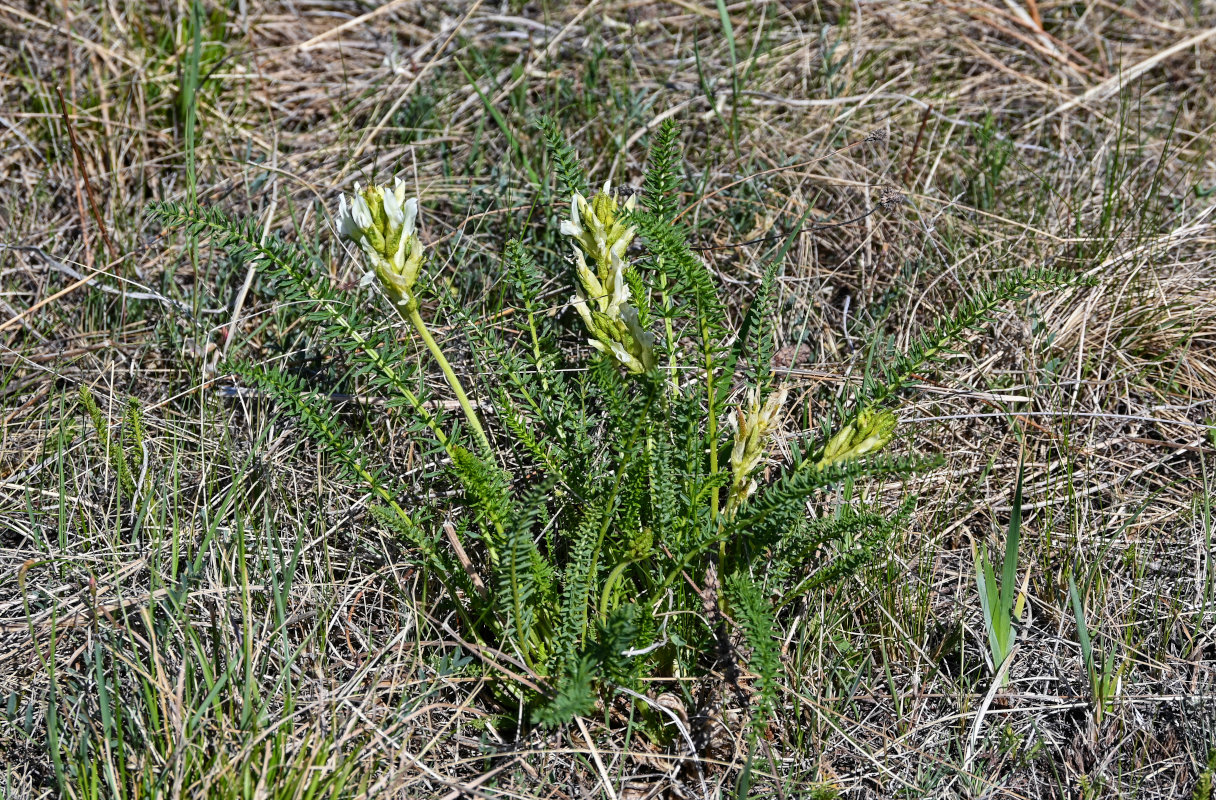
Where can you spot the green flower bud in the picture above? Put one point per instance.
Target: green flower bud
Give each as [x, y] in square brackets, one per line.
[838, 445]
[599, 229]
[640, 544]
[875, 430]
[870, 432]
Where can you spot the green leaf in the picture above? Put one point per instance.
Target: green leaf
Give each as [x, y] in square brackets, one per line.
[754, 614]
[662, 178]
[570, 175]
[1078, 611]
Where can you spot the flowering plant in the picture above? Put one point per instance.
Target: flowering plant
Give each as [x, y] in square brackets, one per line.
[381, 221]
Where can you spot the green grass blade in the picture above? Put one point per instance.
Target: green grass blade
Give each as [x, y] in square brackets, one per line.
[501, 122]
[1082, 629]
[1009, 576]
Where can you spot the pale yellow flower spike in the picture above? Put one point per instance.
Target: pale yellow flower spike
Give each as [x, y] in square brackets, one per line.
[381, 221]
[754, 428]
[602, 298]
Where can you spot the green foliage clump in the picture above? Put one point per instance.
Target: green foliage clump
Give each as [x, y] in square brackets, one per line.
[125, 450]
[1203, 786]
[573, 543]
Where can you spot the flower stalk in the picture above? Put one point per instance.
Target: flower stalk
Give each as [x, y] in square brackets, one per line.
[382, 222]
[415, 319]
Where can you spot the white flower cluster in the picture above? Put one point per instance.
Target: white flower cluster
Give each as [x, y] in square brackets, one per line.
[381, 222]
[603, 299]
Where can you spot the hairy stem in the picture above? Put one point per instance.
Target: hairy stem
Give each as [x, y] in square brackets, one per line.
[411, 314]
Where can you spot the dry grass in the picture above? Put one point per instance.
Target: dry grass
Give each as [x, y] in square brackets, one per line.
[1080, 141]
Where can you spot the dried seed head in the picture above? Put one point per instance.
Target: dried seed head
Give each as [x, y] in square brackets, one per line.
[890, 198]
[877, 136]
